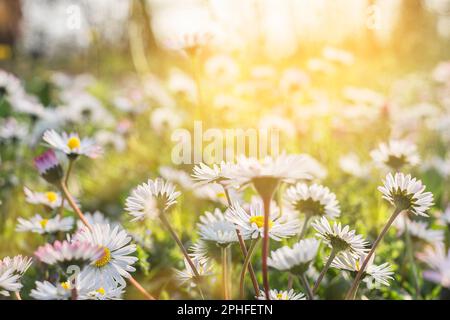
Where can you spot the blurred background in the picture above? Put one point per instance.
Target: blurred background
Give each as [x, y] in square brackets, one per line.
[337, 77]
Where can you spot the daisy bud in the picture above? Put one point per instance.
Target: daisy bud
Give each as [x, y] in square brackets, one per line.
[49, 167]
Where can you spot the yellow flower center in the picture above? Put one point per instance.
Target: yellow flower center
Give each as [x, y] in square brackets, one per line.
[259, 221]
[66, 285]
[280, 296]
[51, 196]
[44, 223]
[101, 290]
[73, 143]
[105, 258]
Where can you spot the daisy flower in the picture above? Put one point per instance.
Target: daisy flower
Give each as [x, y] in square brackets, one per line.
[151, 199]
[378, 274]
[214, 227]
[50, 199]
[72, 145]
[116, 261]
[267, 172]
[179, 177]
[11, 271]
[351, 165]
[48, 166]
[395, 154]
[444, 218]
[68, 252]
[190, 44]
[296, 259]
[313, 200]
[341, 240]
[187, 275]
[439, 261]
[41, 225]
[418, 230]
[275, 294]
[82, 289]
[204, 174]
[221, 68]
[406, 193]
[251, 224]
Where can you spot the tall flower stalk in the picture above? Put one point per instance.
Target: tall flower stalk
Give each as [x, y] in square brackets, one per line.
[247, 260]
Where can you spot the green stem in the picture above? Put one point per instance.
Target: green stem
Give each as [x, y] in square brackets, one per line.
[359, 275]
[225, 274]
[409, 252]
[265, 246]
[324, 270]
[306, 286]
[166, 223]
[66, 180]
[304, 227]
[247, 260]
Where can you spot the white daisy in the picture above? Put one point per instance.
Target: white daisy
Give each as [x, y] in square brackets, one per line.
[221, 68]
[395, 154]
[296, 259]
[216, 173]
[48, 166]
[50, 199]
[187, 275]
[275, 294]
[11, 271]
[68, 252]
[378, 274]
[288, 168]
[444, 218]
[41, 225]
[82, 289]
[165, 119]
[191, 43]
[313, 200]
[406, 193]
[179, 177]
[214, 227]
[11, 129]
[72, 145]
[251, 224]
[151, 199]
[341, 240]
[418, 230]
[351, 164]
[199, 251]
[116, 261]
[439, 261]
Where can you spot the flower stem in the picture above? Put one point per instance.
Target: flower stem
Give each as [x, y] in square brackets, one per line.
[306, 286]
[17, 294]
[265, 246]
[226, 294]
[324, 270]
[66, 180]
[359, 275]
[409, 252]
[74, 205]
[179, 243]
[304, 227]
[141, 289]
[247, 260]
[243, 248]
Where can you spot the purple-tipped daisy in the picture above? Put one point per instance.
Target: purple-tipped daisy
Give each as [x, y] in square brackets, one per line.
[49, 167]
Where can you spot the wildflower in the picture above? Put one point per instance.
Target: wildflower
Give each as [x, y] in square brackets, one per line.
[396, 154]
[49, 167]
[72, 145]
[41, 225]
[275, 294]
[11, 271]
[214, 227]
[68, 252]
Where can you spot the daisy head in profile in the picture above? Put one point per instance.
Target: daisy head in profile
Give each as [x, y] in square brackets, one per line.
[204, 174]
[373, 274]
[275, 294]
[395, 155]
[72, 145]
[41, 225]
[295, 259]
[11, 272]
[313, 200]
[214, 227]
[151, 199]
[406, 194]
[116, 260]
[49, 167]
[69, 253]
[50, 199]
[188, 275]
[251, 223]
[421, 234]
[340, 239]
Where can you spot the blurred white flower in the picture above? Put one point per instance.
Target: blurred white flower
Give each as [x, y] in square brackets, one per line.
[395, 155]
[214, 227]
[68, 252]
[351, 164]
[163, 119]
[275, 294]
[11, 272]
[418, 230]
[72, 145]
[439, 262]
[187, 275]
[40, 225]
[221, 68]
